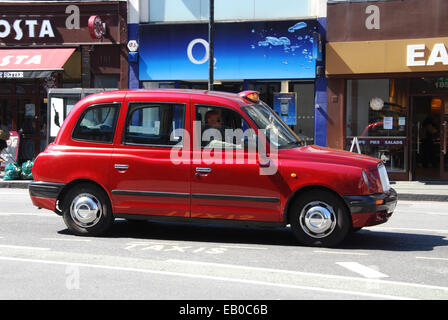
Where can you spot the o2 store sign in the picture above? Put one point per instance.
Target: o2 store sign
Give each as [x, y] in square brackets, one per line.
[243, 50]
[206, 46]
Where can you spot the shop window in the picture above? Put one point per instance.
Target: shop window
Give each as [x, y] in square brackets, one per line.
[106, 80]
[377, 121]
[97, 124]
[154, 124]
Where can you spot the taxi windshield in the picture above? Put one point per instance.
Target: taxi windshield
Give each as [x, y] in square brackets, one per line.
[276, 131]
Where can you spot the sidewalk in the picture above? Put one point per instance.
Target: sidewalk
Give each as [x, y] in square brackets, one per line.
[407, 190]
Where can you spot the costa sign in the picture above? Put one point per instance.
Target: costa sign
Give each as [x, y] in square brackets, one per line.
[54, 24]
[32, 28]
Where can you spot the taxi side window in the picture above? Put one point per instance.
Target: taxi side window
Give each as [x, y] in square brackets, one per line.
[97, 123]
[221, 127]
[157, 124]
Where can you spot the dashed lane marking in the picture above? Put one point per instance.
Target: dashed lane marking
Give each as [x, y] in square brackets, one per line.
[64, 239]
[366, 272]
[23, 247]
[340, 252]
[408, 229]
[430, 258]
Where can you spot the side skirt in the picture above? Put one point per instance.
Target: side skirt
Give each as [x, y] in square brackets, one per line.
[228, 222]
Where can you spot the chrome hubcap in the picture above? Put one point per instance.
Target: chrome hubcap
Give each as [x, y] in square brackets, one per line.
[85, 210]
[317, 219]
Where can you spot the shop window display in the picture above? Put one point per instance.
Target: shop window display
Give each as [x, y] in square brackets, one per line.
[377, 120]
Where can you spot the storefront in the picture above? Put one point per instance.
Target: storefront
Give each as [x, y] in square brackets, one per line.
[46, 45]
[277, 58]
[387, 84]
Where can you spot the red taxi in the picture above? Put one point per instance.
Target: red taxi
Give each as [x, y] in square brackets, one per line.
[203, 156]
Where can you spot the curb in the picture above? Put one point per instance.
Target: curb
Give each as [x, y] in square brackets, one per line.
[14, 184]
[423, 197]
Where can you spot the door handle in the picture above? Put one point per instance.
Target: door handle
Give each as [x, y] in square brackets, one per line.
[203, 171]
[444, 124]
[121, 167]
[418, 137]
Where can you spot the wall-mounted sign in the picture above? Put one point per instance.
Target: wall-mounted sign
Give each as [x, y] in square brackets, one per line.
[54, 22]
[97, 28]
[244, 50]
[416, 55]
[132, 45]
[31, 28]
[285, 106]
[389, 56]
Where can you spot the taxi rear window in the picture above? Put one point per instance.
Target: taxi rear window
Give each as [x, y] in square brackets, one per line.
[97, 123]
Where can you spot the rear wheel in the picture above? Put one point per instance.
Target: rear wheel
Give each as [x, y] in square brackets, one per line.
[319, 218]
[87, 211]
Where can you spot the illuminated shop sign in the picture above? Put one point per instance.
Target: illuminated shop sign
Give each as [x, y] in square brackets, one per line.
[243, 50]
[416, 55]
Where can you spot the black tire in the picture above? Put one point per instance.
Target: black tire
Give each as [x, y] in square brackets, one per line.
[79, 206]
[320, 231]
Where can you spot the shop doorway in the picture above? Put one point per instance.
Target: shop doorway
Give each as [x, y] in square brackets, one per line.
[429, 159]
[23, 109]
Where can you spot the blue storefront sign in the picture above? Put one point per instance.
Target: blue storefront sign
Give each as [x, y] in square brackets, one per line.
[285, 106]
[243, 50]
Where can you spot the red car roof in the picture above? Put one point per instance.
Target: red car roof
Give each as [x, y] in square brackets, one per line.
[230, 97]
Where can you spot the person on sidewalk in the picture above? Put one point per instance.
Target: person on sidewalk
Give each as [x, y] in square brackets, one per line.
[4, 136]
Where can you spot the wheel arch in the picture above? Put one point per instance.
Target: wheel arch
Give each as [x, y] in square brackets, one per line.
[74, 183]
[306, 189]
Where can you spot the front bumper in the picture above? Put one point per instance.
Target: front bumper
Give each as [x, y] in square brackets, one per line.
[371, 209]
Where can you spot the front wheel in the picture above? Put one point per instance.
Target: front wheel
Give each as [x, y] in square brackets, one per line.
[87, 211]
[320, 218]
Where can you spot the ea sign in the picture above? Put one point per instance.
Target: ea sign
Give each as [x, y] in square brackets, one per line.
[416, 55]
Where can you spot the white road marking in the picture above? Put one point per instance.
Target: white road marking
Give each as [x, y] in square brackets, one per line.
[340, 252]
[16, 192]
[408, 229]
[216, 278]
[243, 247]
[48, 214]
[362, 270]
[437, 213]
[23, 247]
[308, 274]
[66, 239]
[430, 258]
[422, 211]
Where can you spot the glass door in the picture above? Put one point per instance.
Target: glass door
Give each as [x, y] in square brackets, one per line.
[444, 141]
[429, 136]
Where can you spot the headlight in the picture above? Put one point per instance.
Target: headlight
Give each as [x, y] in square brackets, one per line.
[383, 177]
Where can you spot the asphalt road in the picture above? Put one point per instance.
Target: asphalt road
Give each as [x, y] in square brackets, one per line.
[406, 258]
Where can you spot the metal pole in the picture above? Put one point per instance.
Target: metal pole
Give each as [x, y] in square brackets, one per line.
[211, 44]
